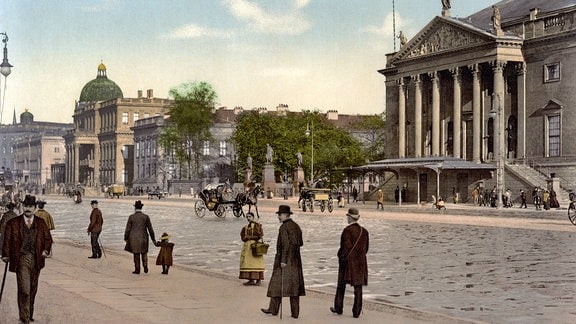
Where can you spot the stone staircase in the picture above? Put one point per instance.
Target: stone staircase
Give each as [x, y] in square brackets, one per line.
[535, 178]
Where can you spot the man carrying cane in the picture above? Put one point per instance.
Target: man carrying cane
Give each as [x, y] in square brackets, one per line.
[287, 277]
[94, 229]
[27, 243]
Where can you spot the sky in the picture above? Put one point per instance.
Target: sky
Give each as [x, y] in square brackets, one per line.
[308, 54]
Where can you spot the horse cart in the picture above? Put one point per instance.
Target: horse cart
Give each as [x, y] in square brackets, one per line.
[310, 197]
[218, 200]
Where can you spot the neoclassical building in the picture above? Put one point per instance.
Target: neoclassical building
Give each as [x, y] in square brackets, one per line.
[100, 147]
[467, 95]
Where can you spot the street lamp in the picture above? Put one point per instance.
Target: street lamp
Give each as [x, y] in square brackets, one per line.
[310, 132]
[499, 123]
[5, 70]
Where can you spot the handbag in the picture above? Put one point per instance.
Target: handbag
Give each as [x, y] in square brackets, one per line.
[259, 248]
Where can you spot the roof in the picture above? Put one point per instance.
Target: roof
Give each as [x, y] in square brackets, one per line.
[434, 163]
[101, 88]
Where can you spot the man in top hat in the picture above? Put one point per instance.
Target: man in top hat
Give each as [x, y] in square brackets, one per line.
[42, 213]
[287, 276]
[136, 235]
[352, 265]
[94, 229]
[8, 215]
[26, 244]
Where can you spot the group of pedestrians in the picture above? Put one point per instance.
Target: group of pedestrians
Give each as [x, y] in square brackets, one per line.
[287, 278]
[541, 198]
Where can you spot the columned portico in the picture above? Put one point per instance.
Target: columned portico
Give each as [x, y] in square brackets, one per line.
[457, 113]
[435, 113]
[417, 116]
[476, 115]
[401, 119]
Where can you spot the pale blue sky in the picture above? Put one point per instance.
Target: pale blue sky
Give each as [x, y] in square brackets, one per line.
[309, 54]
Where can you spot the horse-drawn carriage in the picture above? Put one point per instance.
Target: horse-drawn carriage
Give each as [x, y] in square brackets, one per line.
[218, 199]
[310, 197]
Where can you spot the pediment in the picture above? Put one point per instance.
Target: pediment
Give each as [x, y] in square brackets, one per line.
[442, 35]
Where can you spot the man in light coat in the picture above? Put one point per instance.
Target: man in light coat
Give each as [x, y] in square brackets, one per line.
[136, 235]
[287, 276]
[352, 265]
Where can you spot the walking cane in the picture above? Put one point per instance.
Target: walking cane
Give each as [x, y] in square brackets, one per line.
[281, 290]
[102, 247]
[3, 281]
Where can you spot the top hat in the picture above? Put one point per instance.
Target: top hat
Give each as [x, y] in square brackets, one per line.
[283, 209]
[94, 202]
[165, 236]
[353, 213]
[29, 201]
[40, 203]
[138, 204]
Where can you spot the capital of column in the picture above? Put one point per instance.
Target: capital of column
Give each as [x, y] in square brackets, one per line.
[520, 68]
[433, 76]
[416, 78]
[498, 66]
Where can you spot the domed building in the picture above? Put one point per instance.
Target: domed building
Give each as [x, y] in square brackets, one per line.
[100, 148]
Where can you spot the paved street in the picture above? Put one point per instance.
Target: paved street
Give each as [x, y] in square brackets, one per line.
[510, 266]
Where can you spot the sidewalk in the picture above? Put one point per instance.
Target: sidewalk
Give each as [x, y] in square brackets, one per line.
[75, 289]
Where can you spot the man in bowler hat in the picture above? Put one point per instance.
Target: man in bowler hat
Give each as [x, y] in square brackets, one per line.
[136, 235]
[352, 265]
[94, 230]
[287, 276]
[27, 243]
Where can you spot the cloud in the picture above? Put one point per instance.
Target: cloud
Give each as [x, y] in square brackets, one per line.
[194, 31]
[291, 22]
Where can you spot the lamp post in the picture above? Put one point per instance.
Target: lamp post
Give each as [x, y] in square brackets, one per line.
[310, 132]
[499, 124]
[5, 70]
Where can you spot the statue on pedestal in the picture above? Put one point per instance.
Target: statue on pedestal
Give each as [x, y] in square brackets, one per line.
[269, 153]
[299, 158]
[249, 162]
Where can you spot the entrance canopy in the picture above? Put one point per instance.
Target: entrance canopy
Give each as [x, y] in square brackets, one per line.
[433, 163]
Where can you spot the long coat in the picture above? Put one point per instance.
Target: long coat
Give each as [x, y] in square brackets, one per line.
[136, 234]
[14, 238]
[165, 255]
[352, 265]
[288, 251]
[96, 221]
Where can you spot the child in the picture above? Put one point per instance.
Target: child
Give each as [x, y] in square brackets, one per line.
[165, 255]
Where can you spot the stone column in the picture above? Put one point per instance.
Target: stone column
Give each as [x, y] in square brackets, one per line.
[97, 164]
[476, 114]
[498, 104]
[417, 116]
[401, 119]
[435, 113]
[521, 77]
[76, 163]
[456, 124]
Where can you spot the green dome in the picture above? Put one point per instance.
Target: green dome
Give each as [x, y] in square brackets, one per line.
[26, 117]
[101, 88]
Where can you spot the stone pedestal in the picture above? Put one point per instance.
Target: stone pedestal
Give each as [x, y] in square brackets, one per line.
[268, 180]
[299, 176]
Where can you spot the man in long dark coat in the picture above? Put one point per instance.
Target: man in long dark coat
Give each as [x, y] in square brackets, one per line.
[136, 237]
[352, 265]
[27, 243]
[94, 229]
[287, 277]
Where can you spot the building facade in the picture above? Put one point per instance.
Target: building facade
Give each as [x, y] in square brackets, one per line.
[492, 88]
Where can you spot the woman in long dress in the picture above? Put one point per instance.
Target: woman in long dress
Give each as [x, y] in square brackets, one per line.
[251, 267]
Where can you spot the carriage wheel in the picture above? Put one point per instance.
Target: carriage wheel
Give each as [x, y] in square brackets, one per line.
[200, 208]
[220, 211]
[331, 205]
[572, 213]
[311, 205]
[322, 205]
[237, 211]
[304, 206]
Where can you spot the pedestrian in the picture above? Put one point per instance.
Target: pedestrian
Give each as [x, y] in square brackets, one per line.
[455, 195]
[475, 195]
[138, 228]
[380, 201]
[164, 257]
[8, 215]
[42, 213]
[523, 199]
[287, 276]
[27, 243]
[251, 266]
[352, 264]
[396, 194]
[546, 199]
[354, 194]
[553, 199]
[94, 229]
[536, 197]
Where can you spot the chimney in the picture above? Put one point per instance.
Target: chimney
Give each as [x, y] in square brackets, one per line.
[139, 94]
[150, 93]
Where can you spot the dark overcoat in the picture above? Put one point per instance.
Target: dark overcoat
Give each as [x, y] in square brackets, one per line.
[288, 251]
[14, 237]
[96, 221]
[353, 268]
[137, 231]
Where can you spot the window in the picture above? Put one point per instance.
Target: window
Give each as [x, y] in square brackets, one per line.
[222, 151]
[206, 148]
[552, 72]
[553, 135]
[146, 115]
[136, 116]
[137, 150]
[125, 118]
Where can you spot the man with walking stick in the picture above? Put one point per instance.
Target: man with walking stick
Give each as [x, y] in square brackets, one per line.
[94, 229]
[27, 243]
[287, 277]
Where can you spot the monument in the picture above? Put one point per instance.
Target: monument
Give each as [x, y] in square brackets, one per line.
[268, 179]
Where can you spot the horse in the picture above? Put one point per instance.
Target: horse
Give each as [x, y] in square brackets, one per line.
[250, 198]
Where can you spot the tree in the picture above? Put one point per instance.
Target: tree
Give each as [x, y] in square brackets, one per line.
[373, 136]
[190, 118]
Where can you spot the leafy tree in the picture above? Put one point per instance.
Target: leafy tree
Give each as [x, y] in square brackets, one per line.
[190, 118]
[373, 135]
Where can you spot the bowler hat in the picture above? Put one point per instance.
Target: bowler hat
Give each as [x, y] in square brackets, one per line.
[353, 213]
[165, 236]
[29, 201]
[40, 203]
[138, 204]
[94, 202]
[283, 209]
